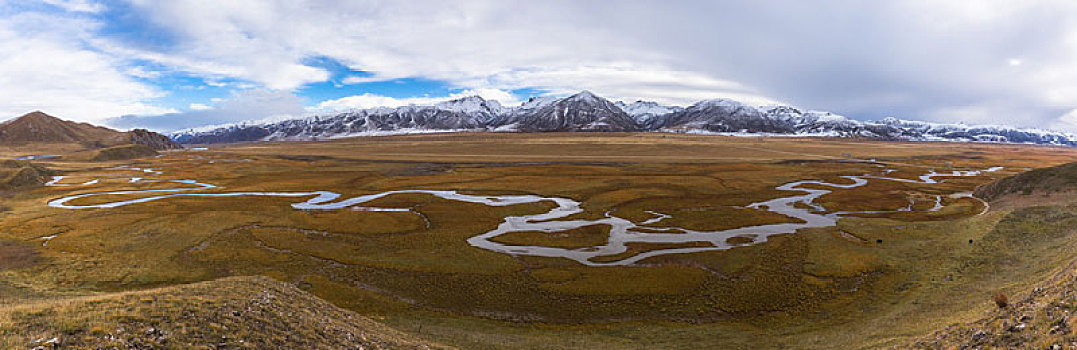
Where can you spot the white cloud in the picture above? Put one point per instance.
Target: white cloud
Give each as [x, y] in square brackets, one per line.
[369, 100]
[250, 105]
[995, 61]
[48, 68]
[503, 45]
[912, 58]
[86, 6]
[1065, 122]
[142, 72]
[626, 82]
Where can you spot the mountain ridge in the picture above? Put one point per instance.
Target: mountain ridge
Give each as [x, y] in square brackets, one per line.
[39, 127]
[588, 112]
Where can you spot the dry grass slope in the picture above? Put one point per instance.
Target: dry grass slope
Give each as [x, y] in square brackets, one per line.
[232, 313]
[1042, 317]
[1039, 181]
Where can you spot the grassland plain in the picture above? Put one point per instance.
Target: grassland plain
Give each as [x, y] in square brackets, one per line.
[871, 281]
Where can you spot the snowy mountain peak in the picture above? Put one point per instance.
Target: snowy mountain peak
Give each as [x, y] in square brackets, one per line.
[890, 121]
[585, 111]
[718, 102]
[585, 95]
[638, 108]
[471, 104]
[647, 113]
[538, 102]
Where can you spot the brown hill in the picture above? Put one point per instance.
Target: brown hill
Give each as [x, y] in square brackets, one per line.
[123, 152]
[1044, 181]
[19, 174]
[38, 127]
[41, 127]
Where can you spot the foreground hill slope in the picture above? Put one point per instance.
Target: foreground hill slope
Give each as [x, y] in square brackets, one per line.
[38, 127]
[230, 313]
[1040, 317]
[1043, 182]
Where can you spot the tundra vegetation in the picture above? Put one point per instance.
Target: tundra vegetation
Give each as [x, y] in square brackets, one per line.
[873, 280]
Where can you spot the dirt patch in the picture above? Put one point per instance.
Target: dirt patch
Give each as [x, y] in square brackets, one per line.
[422, 169]
[305, 158]
[14, 256]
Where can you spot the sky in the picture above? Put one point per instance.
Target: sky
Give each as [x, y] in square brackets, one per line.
[176, 64]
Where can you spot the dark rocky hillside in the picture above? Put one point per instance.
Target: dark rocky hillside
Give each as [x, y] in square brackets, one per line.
[151, 139]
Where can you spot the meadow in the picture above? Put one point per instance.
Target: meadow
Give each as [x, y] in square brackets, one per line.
[872, 280]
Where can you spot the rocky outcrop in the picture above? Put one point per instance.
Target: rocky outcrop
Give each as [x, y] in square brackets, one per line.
[19, 174]
[151, 139]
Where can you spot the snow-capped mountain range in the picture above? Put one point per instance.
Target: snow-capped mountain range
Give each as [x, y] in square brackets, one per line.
[587, 112]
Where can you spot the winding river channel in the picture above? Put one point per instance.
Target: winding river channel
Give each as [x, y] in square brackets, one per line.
[622, 231]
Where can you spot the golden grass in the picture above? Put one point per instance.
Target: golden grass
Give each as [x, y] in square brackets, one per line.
[587, 236]
[236, 312]
[815, 289]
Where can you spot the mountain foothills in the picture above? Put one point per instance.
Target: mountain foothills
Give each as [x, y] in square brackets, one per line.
[588, 112]
[41, 128]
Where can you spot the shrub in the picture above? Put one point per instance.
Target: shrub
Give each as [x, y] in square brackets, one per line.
[1001, 300]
